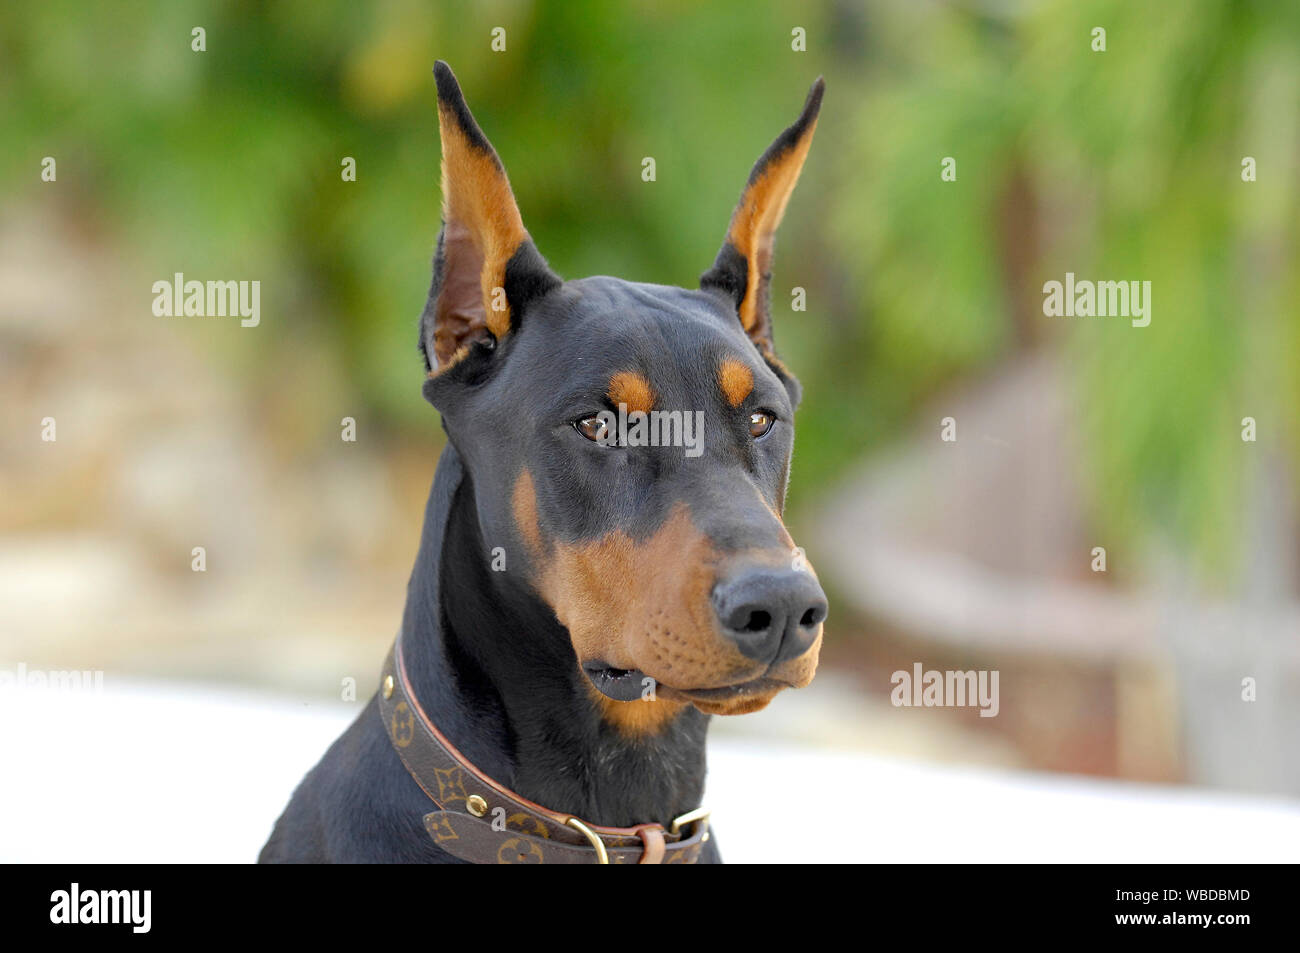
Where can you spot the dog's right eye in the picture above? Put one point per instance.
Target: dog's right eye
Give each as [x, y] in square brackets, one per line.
[595, 429]
[760, 424]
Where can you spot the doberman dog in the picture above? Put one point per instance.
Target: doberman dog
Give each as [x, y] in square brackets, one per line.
[585, 596]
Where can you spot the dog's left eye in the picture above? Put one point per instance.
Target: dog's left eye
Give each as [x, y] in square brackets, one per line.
[760, 422]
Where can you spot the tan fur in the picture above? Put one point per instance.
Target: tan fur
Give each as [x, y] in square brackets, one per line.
[736, 380]
[524, 506]
[754, 224]
[646, 605]
[632, 389]
[638, 719]
[484, 229]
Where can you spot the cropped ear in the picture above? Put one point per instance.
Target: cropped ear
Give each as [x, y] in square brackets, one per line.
[743, 267]
[486, 268]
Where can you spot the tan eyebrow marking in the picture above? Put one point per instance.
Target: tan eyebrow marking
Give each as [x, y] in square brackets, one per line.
[631, 389]
[736, 380]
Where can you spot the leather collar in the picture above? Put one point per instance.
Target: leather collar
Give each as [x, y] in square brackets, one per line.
[479, 820]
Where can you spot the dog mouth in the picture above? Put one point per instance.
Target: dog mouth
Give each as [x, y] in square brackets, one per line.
[619, 684]
[742, 691]
[741, 698]
[625, 685]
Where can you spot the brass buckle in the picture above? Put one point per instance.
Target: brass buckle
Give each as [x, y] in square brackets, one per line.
[602, 855]
[700, 815]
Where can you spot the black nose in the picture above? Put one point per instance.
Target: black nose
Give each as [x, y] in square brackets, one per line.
[771, 614]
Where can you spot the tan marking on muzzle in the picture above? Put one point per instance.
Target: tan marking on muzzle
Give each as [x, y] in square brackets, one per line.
[524, 507]
[635, 719]
[644, 605]
[647, 605]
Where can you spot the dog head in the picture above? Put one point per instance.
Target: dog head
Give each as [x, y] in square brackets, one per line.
[629, 444]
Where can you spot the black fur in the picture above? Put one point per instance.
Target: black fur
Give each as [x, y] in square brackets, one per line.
[449, 94]
[493, 667]
[528, 277]
[729, 275]
[487, 658]
[786, 141]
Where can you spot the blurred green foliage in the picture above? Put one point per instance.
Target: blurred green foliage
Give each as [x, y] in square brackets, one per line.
[1123, 164]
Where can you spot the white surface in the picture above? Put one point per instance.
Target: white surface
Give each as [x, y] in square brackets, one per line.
[159, 773]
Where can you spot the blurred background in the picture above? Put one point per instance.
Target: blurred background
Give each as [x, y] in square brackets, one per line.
[924, 300]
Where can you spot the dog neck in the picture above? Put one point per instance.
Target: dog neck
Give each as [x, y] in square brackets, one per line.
[496, 672]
